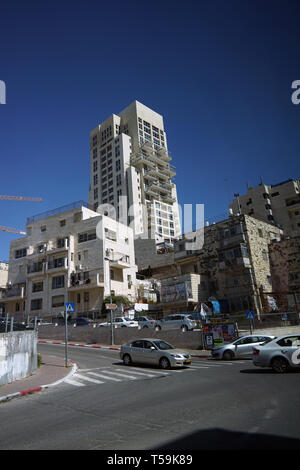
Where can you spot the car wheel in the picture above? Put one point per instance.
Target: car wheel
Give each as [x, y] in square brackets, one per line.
[228, 355]
[184, 328]
[145, 326]
[124, 326]
[164, 363]
[279, 365]
[157, 328]
[127, 360]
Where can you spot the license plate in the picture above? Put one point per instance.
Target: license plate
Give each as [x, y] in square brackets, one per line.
[188, 361]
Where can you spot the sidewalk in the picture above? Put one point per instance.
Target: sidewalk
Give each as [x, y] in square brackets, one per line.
[51, 372]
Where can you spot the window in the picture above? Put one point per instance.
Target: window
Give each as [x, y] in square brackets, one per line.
[58, 282]
[36, 304]
[37, 286]
[56, 263]
[118, 179]
[62, 223]
[275, 194]
[21, 253]
[61, 243]
[43, 228]
[86, 297]
[58, 301]
[290, 341]
[85, 237]
[137, 344]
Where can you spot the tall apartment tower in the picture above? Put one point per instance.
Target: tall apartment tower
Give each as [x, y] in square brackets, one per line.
[277, 203]
[131, 171]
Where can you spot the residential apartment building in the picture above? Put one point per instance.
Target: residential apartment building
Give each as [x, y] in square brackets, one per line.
[285, 265]
[70, 254]
[129, 158]
[278, 204]
[232, 267]
[3, 274]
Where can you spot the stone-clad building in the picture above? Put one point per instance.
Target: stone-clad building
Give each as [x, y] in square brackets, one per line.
[232, 266]
[285, 269]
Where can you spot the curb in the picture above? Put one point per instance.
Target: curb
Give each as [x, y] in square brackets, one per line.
[115, 348]
[38, 389]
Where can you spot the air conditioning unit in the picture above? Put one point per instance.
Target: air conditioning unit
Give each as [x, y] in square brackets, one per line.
[78, 267]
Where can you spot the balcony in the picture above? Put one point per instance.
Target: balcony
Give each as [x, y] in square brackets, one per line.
[57, 264]
[34, 268]
[142, 159]
[122, 262]
[93, 280]
[13, 293]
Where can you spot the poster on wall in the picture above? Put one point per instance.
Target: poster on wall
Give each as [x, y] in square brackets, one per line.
[176, 292]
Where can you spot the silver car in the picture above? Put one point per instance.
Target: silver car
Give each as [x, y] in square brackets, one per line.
[181, 321]
[241, 347]
[145, 322]
[154, 352]
[281, 354]
[120, 322]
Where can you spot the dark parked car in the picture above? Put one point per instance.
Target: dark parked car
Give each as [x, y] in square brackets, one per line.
[81, 321]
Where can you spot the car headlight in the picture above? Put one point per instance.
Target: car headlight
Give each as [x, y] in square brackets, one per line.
[177, 356]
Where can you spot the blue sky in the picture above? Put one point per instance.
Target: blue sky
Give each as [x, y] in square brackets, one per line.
[220, 73]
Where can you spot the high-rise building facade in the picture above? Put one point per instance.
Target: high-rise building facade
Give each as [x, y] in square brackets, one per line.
[131, 171]
[278, 204]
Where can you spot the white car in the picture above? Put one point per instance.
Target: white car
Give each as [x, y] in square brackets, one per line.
[39, 322]
[121, 322]
[281, 354]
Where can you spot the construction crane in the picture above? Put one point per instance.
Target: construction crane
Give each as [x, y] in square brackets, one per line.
[20, 198]
[12, 230]
[17, 198]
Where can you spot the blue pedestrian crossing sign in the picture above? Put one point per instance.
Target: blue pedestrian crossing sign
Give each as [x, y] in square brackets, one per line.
[250, 315]
[70, 308]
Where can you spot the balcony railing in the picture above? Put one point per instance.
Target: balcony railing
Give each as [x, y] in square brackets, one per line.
[92, 280]
[12, 292]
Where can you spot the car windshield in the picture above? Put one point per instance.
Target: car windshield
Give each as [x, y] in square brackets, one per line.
[163, 345]
[127, 319]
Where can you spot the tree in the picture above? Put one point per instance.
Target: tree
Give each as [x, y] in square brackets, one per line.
[116, 299]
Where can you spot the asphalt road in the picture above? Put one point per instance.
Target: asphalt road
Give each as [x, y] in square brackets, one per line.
[108, 406]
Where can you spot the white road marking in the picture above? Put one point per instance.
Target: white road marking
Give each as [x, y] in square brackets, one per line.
[137, 373]
[88, 379]
[96, 374]
[121, 375]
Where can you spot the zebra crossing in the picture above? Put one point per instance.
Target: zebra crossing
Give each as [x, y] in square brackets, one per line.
[117, 374]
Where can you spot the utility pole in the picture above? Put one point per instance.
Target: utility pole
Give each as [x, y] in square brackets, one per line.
[110, 299]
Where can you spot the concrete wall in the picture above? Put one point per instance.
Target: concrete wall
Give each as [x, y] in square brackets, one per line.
[88, 334]
[18, 355]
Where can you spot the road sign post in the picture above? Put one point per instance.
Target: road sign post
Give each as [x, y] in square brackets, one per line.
[250, 315]
[69, 309]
